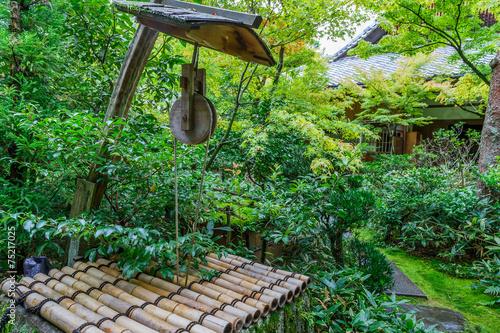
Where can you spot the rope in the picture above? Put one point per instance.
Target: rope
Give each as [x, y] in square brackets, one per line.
[176, 210]
[18, 301]
[79, 329]
[194, 62]
[195, 224]
[21, 299]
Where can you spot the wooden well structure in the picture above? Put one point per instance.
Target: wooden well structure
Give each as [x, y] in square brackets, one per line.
[219, 29]
[86, 297]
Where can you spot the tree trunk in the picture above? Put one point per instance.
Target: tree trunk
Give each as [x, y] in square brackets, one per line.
[490, 136]
[16, 174]
[337, 248]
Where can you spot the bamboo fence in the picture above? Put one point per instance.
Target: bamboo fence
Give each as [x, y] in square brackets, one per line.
[209, 297]
[302, 277]
[94, 305]
[95, 297]
[296, 289]
[171, 311]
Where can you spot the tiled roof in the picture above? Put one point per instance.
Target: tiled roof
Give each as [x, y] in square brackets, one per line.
[344, 68]
[353, 43]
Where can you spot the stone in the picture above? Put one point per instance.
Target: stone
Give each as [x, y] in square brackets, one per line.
[403, 286]
[446, 320]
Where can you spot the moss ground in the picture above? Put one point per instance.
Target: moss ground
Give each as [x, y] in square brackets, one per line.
[447, 291]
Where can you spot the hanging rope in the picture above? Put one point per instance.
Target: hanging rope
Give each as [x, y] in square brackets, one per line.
[195, 223]
[194, 62]
[176, 210]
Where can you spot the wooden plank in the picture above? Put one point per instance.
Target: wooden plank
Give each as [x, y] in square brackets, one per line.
[82, 198]
[137, 56]
[82, 202]
[252, 20]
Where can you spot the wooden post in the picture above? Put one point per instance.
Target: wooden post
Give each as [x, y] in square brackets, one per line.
[137, 56]
[89, 196]
[82, 201]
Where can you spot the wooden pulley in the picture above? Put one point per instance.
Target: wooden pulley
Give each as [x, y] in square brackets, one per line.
[203, 121]
[192, 118]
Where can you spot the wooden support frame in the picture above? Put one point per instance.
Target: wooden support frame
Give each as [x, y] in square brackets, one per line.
[232, 29]
[187, 97]
[88, 193]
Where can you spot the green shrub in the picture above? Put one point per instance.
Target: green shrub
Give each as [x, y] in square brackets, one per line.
[365, 257]
[387, 163]
[345, 209]
[491, 178]
[341, 303]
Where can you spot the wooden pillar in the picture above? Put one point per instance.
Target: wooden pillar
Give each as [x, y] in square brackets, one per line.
[88, 193]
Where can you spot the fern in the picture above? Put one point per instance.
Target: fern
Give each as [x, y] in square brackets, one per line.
[493, 290]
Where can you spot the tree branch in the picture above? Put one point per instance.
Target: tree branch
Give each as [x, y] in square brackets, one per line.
[237, 104]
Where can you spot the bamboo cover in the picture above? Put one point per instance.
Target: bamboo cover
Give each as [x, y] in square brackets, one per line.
[95, 297]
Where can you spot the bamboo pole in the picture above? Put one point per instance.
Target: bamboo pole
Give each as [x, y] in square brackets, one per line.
[176, 313]
[273, 301]
[281, 294]
[116, 304]
[81, 311]
[302, 277]
[235, 301]
[235, 275]
[271, 274]
[150, 281]
[51, 311]
[93, 304]
[294, 288]
[196, 284]
[235, 321]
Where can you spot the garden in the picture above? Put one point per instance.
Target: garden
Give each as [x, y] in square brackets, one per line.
[286, 178]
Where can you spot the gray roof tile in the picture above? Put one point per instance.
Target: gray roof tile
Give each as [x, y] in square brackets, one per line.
[346, 67]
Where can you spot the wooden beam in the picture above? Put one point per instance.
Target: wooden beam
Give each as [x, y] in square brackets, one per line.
[252, 20]
[82, 202]
[89, 196]
[137, 56]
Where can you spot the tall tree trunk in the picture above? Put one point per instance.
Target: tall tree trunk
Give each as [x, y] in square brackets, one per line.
[16, 173]
[490, 136]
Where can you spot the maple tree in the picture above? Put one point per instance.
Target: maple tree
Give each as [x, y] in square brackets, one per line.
[390, 100]
[424, 25]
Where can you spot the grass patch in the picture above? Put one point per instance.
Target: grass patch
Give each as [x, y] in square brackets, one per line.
[447, 291]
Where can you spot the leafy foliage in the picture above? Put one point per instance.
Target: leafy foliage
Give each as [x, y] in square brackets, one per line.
[345, 305]
[421, 26]
[366, 258]
[390, 100]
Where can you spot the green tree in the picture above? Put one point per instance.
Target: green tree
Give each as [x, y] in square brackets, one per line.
[273, 102]
[423, 26]
[390, 100]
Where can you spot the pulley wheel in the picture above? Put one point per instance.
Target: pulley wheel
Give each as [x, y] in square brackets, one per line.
[203, 121]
